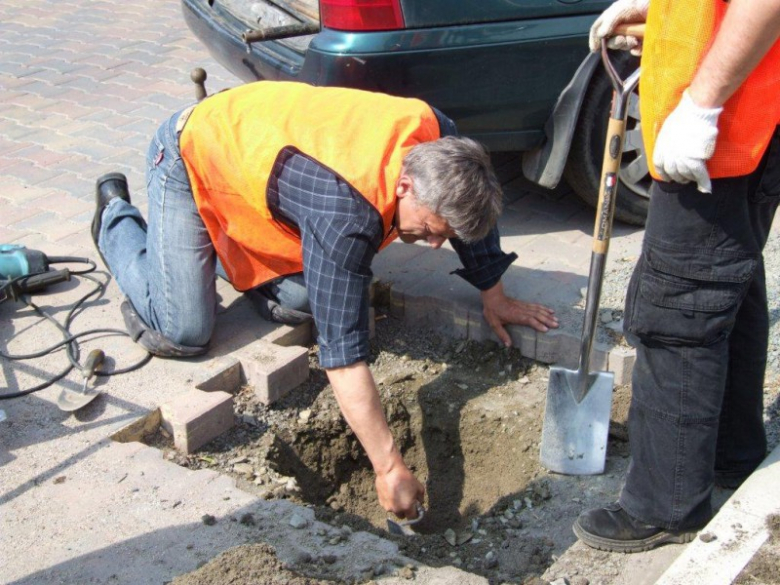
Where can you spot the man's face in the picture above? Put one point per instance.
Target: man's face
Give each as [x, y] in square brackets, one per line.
[415, 222]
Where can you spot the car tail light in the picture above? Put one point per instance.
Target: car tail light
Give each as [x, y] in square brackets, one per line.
[361, 15]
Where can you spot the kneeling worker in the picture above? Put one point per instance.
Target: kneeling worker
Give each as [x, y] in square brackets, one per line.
[289, 191]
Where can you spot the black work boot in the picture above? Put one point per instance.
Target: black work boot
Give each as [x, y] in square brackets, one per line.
[108, 187]
[613, 529]
[271, 310]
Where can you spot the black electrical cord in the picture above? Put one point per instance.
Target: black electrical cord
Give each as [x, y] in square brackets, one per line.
[69, 339]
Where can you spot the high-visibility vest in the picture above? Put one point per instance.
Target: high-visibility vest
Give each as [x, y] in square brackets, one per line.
[677, 36]
[235, 142]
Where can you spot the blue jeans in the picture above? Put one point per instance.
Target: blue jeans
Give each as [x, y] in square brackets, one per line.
[167, 267]
[696, 311]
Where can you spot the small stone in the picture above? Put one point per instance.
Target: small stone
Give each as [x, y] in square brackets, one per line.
[247, 519]
[406, 572]
[208, 519]
[579, 580]
[524, 380]
[707, 537]
[297, 521]
[450, 537]
[237, 460]
[305, 415]
[491, 560]
[291, 485]
[464, 537]
[301, 557]
[329, 559]
[244, 469]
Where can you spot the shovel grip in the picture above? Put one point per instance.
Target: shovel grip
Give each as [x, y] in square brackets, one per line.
[605, 209]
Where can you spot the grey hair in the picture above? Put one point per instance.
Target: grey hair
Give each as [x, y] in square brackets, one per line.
[454, 178]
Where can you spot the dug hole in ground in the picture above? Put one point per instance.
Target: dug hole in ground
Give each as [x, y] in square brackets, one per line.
[468, 417]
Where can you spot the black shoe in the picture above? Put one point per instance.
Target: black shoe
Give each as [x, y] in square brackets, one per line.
[271, 310]
[108, 187]
[153, 341]
[612, 529]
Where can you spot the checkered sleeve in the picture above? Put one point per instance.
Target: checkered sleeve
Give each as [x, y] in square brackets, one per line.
[340, 235]
[483, 262]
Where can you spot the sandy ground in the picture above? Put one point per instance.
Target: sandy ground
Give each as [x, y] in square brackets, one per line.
[468, 418]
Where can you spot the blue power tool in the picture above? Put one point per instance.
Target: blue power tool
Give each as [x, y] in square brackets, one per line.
[24, 271]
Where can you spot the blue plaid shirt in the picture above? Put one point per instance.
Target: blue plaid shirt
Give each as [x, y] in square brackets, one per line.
[340, 234]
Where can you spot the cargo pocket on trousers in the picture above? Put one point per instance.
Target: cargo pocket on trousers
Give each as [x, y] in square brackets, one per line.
[686, 297]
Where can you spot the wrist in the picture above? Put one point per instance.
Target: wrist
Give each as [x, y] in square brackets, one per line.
[702, 104]
[393, 461]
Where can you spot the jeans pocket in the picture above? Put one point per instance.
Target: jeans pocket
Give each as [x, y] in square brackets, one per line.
[686, 296]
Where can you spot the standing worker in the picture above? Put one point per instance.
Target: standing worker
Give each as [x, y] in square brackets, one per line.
[696, 306]
[289, 191]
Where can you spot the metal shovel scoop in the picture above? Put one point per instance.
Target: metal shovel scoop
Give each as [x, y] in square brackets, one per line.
[576, 417]
[71, 400]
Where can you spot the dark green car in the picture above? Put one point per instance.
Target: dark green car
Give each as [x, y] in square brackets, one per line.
[514, 74]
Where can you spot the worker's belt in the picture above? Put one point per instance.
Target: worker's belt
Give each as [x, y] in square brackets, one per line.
[183, 117]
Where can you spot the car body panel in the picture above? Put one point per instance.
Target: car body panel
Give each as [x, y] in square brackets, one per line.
[505, 107]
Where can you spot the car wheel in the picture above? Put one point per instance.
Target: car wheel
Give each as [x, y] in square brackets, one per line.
[583, 168]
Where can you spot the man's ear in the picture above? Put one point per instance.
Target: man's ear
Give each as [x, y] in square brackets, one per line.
[403, 186]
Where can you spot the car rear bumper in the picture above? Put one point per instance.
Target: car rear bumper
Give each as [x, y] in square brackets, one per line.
[453, 68]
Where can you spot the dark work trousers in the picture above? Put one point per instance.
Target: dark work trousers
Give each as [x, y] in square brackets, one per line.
[696, 311]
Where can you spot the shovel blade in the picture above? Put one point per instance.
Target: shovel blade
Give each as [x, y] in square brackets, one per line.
[574, 433]
[72, 400]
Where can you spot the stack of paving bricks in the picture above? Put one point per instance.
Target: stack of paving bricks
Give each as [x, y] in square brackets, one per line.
[270, 366]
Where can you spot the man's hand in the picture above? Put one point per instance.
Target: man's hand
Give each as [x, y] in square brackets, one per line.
[686, 142]
[621, 12]
[500, 310]
[399, 491]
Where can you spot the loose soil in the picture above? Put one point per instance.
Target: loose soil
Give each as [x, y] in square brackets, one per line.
[466, 415]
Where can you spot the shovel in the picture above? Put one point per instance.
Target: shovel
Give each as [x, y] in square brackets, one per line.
[71, 400]
[579, 402]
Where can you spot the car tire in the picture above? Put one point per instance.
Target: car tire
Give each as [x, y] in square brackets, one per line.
[583, 168]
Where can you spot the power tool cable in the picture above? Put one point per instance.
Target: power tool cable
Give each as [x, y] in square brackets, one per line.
[69, 339]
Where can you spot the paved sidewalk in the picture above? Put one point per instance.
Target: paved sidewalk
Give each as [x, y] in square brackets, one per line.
[84, 86]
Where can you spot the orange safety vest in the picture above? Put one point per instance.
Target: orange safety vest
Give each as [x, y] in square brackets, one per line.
[677, 37]
[231, 143]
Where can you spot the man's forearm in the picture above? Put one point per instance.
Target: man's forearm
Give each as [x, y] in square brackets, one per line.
[748, 31]
[359, 401]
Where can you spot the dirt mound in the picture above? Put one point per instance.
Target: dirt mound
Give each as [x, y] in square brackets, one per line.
[251, 563]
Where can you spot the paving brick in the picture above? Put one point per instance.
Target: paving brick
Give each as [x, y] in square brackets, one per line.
[220, 374]
[621, 363]
[547, 346]
[194, 418]
[524, 338]
[273, 370]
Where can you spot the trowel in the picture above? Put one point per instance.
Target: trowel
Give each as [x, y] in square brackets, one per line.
[72, 400]
[578, 407]
[404, 527]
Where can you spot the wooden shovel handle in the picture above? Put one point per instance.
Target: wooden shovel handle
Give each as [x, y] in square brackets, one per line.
[631, 30]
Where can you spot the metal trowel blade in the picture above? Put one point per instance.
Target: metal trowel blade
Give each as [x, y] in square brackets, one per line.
[72, 400]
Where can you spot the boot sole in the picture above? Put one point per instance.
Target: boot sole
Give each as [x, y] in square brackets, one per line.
[632, 546]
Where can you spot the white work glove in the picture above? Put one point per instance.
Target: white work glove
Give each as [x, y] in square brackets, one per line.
[621, 12]
[686, 142]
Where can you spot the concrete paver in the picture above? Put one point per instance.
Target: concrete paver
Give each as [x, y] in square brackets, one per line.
[85, 85]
